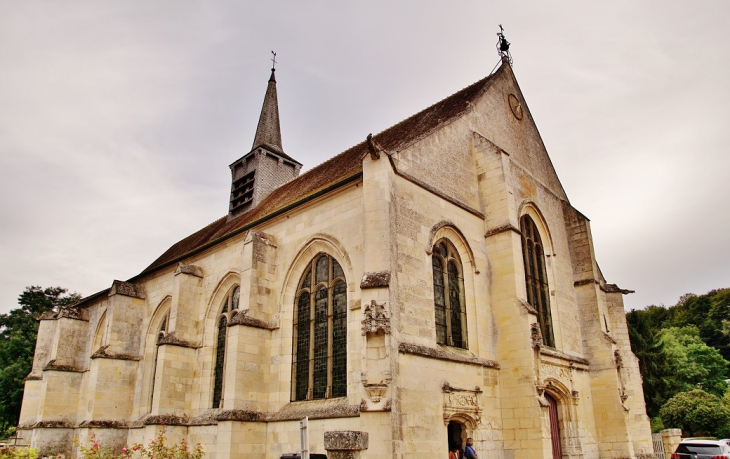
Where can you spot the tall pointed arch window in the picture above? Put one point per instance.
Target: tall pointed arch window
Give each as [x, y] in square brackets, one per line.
[319, 363]
[536, 283]
[230, 304]
[448, 295]
[161, 332]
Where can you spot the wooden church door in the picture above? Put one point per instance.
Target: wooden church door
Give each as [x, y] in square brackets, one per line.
[554, 426]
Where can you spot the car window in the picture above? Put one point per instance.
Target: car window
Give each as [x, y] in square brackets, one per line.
[698, 449]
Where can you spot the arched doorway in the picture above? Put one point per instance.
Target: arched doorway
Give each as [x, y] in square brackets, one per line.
[457, 436]
[554, 426]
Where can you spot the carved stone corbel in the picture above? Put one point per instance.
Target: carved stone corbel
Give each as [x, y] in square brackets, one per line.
[375, 391]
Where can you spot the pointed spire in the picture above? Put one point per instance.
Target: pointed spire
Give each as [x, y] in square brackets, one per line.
[268, 132]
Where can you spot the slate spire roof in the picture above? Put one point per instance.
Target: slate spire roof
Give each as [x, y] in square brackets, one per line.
[268, 132]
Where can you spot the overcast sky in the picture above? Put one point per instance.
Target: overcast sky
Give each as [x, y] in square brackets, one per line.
[118, 120]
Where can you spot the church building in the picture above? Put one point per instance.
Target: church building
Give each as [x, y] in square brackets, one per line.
[430, 284]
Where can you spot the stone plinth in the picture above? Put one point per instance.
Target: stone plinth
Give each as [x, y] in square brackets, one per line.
[345, 444]
[671, 438]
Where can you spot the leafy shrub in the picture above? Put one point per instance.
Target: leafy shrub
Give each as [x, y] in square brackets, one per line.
[19, 453]
[96, 451]
[656, 424]
[696, 412]
[156, 449]
[159, 449]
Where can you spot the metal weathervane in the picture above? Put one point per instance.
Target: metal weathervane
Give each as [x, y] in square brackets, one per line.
[503, 45]
[273, 59]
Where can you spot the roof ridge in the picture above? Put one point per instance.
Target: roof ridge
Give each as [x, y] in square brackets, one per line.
[452, 95]
[393, 126]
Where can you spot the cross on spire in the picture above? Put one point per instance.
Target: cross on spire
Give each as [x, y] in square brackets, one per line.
[273, 59]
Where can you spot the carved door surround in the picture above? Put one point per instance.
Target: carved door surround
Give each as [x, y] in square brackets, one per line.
[555, 381]
[462, 404]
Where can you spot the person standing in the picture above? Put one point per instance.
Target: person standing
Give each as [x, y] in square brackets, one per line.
[454, 453]
[470, 452]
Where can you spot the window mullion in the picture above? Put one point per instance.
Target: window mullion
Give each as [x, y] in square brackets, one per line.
[311, 346]
[447, 302]
[295, 349]
[462, 298]
[330, 338]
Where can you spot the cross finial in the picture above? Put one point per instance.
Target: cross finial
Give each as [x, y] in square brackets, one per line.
[503, 45]
[273, 59]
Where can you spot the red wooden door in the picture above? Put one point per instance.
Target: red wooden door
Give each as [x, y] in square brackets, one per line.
[554, 427]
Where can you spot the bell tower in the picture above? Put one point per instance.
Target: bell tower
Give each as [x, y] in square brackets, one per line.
[266, 167]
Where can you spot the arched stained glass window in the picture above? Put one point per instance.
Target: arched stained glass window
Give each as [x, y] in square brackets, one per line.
[319, 367]
[538, 292]
[230, 303]
[448, 295]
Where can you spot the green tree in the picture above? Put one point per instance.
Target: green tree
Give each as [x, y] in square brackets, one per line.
[693, 363]
[18, 331]
[697, 413]
[710, 313]
[656, 371]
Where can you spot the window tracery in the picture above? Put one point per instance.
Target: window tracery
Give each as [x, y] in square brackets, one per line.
[536, 282]
[448, 295]
[319, 363]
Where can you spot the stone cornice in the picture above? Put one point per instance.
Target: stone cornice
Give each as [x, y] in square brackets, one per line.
[33, 377]
[442, 354]
[60, 424]
[502, 229]
[70, 312]
[104, 423]
[375, 279]
[172, 340]
[101, 353]
[189, 269]
[126, 289]
[563, 356]
[53, 366]
[242, 318]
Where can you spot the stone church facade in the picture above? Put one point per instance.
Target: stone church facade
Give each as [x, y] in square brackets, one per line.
[430, 284]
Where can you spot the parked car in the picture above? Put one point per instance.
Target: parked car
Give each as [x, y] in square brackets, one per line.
[702, 449]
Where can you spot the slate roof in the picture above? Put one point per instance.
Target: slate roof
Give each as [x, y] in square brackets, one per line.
[345, 167]
[342, 166]
[268, 131]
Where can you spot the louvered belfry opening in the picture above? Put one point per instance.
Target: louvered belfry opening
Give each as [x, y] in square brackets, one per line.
[266, 167]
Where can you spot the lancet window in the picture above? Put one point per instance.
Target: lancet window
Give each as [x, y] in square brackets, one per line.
[319, 363]
[230, 304]
[161, 331]
[536, 283]
[448, 295]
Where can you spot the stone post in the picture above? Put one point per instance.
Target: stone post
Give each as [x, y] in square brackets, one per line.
[345, 444]
[670, 439]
